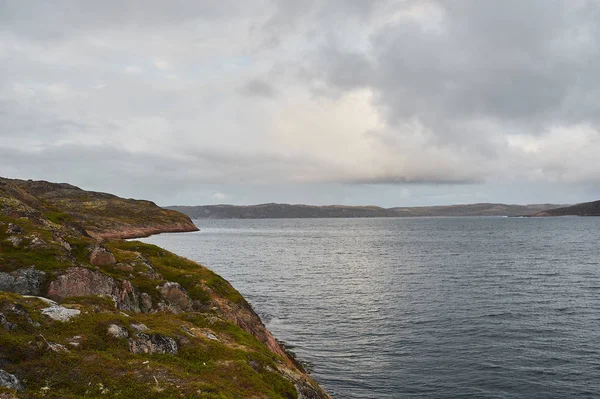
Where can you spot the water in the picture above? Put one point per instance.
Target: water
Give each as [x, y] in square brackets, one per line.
[421, 307]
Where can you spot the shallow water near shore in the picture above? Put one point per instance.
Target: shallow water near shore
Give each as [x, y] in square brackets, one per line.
[421, 307]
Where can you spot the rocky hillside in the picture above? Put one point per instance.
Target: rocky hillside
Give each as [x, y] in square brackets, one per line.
[274, 211]
[583, 209]
[123, 319]
[102, 215]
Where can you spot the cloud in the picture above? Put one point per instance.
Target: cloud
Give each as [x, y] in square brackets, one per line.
[285, 92]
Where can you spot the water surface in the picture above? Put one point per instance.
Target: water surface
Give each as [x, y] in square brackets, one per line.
[421, 307]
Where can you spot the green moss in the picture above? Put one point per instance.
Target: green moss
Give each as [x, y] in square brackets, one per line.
[58, 217]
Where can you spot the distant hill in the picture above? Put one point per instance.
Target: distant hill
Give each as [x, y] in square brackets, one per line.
[279, 211]
[583, 209]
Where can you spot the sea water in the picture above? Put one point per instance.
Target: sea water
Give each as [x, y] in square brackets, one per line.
[421, 307]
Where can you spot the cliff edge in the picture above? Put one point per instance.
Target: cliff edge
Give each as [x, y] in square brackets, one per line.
[85, 314]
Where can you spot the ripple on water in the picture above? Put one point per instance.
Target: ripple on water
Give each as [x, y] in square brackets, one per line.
[421, 308]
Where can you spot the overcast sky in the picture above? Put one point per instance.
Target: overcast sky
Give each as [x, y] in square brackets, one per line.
[407, 102]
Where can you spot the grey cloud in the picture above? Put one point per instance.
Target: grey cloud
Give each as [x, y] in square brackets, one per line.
[258, 88]
[164, 94]
[523, 64]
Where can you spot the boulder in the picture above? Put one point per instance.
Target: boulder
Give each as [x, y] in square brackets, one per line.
[60, 313]
[101, 256]
[117, 331]
[175, 295]
[10, 381]
[26, 281]
[79, 281]
[152, 343]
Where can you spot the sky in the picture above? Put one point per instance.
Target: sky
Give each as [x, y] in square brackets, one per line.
[378, 102]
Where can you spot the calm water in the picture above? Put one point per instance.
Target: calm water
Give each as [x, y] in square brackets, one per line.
[421, 307]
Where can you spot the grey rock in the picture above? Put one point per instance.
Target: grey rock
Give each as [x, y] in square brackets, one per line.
[37, 242]
[26, 281]
[117, 331]
[152, 343]
[14, 229]
[139, 327]
[10, 381]
[60, 313]
[211, 336]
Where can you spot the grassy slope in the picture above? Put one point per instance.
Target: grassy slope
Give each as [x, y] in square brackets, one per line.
[104, 215]
[238, 365]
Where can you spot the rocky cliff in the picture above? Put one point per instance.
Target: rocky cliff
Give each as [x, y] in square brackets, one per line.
[83, 314]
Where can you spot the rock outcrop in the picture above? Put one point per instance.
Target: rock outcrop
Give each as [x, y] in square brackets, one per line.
[79, 281]
[26, 281]
[101, 256]
[9, 381]
[152, 343]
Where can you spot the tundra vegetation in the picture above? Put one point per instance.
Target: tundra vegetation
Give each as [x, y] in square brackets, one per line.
[84, 313]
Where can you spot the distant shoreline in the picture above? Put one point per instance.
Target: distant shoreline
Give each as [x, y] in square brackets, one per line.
[297, 211]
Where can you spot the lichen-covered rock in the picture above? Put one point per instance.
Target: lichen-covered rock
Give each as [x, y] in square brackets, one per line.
[79, 281]
[10, 381]
[175, 295]
[14, 229]
[101, 256]
[60, 313]
[26, 281]
[153, 343]
[37, 242]
[117, 331]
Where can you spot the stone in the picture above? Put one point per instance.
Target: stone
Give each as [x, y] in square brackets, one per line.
[10, 381]
[26, 281]
[14, 229]
[101, 256]
[117, 331]
[175, 295]
[152, 343]
[79, 281]
[37, 242]
[60, 313]
[139, 327]
[211, 336]
[7, 325]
